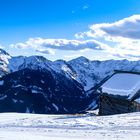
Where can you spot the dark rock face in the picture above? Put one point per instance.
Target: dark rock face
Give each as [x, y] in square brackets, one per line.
[41, 91]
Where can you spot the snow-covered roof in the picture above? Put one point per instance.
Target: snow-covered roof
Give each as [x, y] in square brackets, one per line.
[123, 84]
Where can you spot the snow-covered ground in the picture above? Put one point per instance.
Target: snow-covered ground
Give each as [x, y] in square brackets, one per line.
[14, 126]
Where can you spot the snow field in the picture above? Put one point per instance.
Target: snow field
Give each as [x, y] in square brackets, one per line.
[14, 126]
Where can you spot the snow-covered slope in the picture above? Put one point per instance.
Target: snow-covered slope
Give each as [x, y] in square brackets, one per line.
[89, 73]
[41, 91]
[85, 72]
[67, 127]
[4, 60]
[33, 62]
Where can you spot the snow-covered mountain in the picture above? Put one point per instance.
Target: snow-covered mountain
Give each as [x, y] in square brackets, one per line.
[41, 91]
[32, 62]
[4, 60]
[73, 81]
[87, 73]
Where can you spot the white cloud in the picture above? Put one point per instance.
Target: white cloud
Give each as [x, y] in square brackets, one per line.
[72, 56]
[120, 39]
[46, 51]
[80, 35]
[60, 44]
[127, 28]
[123, 36]
[85, 7]
[1, 47]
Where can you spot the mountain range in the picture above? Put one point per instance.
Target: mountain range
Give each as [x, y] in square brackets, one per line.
[37, 85]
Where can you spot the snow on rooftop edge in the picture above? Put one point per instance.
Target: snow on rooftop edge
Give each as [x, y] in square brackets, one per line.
[124, 84]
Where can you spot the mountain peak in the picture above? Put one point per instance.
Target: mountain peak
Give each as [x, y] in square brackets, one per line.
[3, 52]
[80, 59]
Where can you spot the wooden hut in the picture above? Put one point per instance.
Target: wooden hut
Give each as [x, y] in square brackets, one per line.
[120, 93]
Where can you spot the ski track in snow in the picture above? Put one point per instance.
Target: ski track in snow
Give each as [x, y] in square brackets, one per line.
[15, 126]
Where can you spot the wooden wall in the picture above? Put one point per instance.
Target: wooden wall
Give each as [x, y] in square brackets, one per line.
[135, 106]
[110, 105]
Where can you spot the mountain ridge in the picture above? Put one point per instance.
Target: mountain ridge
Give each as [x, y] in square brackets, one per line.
[54, 86]
[83, 70]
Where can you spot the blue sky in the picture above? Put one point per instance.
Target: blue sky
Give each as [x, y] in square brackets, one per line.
[60, 19]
